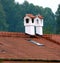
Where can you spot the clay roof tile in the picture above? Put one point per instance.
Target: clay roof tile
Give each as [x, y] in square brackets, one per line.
[30, 15]
[16, 45]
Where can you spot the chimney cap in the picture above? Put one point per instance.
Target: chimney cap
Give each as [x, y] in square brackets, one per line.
[30, 15]
[40, 16]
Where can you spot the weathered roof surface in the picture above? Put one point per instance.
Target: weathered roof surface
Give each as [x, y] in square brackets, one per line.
[17, 45]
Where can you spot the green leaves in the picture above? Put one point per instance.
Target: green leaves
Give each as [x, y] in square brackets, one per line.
[13, 14]
[3, 23]
[58, 20]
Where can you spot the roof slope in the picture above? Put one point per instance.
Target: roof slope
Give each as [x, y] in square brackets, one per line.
[18, 46]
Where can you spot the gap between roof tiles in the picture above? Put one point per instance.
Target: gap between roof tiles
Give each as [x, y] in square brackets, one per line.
[3, 51]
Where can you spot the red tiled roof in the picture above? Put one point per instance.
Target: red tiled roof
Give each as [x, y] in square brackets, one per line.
[30, 15]
[16, 45]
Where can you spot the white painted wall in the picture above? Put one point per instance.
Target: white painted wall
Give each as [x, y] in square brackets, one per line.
[29, 27]
[39, 23]
[39, 26]
[30, 30]
[30, 21]
[39, 30]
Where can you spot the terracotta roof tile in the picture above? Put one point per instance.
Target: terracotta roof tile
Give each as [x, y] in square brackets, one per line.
[18, 46]
[30, 15]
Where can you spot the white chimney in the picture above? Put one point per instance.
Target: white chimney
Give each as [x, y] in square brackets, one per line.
[39, 24]
[29, 24]
[33, 24]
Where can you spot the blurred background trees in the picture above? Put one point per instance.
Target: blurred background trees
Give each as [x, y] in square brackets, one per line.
[3, 22]
[12, 14]
[58, 20]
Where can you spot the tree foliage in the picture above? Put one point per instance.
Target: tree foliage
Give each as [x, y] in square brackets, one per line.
[15, 12]
[58, 20]
[3, 23]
